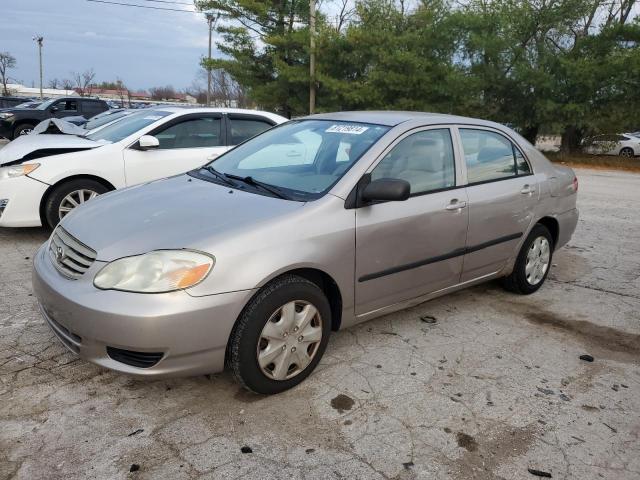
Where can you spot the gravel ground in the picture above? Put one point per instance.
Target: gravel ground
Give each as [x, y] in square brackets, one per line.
[479, 384]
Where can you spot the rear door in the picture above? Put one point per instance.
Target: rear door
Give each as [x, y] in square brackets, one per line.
[186, 142]
[411, 248]
[90, 108]
[502, 193]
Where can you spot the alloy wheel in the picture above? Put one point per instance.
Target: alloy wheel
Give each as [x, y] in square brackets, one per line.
[73, 199]
[289, 340]
[538, 258]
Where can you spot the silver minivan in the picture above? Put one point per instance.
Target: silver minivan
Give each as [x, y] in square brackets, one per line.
[315, 225]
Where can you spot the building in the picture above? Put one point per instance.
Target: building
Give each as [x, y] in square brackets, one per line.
[19, 90]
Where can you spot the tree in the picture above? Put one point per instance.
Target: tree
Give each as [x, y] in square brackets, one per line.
[163, 93]
[83, 82]
[266, 45]
[7, 61]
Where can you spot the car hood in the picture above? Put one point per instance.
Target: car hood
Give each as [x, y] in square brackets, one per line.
[172, 213]
[58, 125]
[37, 146]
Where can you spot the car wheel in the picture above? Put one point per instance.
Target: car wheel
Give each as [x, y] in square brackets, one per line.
[627, 152]
[69, 195]
[533, 262]
[24, 129]
[280, 335]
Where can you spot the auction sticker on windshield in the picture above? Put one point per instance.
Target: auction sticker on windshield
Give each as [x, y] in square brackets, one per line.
[351, 129]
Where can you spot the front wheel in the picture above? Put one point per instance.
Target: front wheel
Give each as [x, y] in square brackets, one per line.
[627, 152]
[24, 129]
[69, 195]
[280, 336]
[533, 262]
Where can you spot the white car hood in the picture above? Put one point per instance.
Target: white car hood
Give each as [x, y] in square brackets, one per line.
[16, 150]
[58, 124]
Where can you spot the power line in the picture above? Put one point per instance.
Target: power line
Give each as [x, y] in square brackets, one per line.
[169, 2]
[142, 6]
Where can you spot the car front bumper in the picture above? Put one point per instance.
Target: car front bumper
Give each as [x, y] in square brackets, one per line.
[190, 333]
[21, 197]
[6, 129]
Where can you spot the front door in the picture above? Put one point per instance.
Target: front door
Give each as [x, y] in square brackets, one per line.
[184, 144]
[502, 194]
[407, 249]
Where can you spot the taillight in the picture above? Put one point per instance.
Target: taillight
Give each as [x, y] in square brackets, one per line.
[575, 184]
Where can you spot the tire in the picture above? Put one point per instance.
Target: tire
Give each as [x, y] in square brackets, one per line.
[518, 281]
[22, 129]
[627, 152]
[247, 339]
[59, 194]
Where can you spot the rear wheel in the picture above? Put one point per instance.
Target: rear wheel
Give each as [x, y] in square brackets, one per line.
[627, 152]
[280, 336]
[69, 195]
[533, 262]
[24, 129]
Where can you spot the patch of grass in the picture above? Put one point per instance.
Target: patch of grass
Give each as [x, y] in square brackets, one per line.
[610, 162]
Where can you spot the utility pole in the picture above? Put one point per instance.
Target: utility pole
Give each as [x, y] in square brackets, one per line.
[312, 56]
[39, 39]
[210, 21]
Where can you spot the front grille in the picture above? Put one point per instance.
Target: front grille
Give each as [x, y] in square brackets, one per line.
[71, 257]
[135, 359]
[3, 204]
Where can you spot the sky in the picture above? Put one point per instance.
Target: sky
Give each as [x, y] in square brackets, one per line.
[143, 47]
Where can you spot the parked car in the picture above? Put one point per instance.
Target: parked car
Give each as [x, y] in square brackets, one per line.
[45, 176]
[315, 225]
[92, 123]
[19, 121]
[625, 145]
[11, 102]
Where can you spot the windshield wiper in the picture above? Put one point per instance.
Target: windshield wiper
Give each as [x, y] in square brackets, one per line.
[219, 175]
[265, 186]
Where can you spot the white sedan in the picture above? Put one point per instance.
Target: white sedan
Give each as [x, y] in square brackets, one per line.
[625, 145]
[43, 177]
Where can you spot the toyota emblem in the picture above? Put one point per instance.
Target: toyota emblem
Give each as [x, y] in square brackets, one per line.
[59, 253]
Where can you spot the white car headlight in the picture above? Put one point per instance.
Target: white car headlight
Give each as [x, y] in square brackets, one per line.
[17, 170]
[159, 271]
[6, 115]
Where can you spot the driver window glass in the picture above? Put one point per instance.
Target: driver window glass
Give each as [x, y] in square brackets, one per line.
[67, 106]
[193, 133]
[424, 159]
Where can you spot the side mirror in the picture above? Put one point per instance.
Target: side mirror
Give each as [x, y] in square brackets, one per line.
[386, 190]
[54, 109]
[148, 142]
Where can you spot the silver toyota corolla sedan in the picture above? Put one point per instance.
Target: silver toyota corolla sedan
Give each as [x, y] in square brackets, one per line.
[318, 224]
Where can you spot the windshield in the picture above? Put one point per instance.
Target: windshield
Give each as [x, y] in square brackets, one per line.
[101, 119]
[45, 105]
[303, 158]
[127, 126]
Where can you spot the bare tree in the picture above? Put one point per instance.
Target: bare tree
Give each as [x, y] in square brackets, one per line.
[7, 61]
[53, 83]
[225, 91]
[162, 93]
[123, 92]
[84, 82]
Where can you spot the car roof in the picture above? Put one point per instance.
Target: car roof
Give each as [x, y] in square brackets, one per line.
[189, 109]
[393, 118]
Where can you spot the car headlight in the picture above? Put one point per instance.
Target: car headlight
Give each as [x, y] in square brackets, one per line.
[159, 271]
[6, 115]
[17, 170]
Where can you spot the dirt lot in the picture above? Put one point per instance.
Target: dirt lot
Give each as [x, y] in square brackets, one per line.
[480, 384]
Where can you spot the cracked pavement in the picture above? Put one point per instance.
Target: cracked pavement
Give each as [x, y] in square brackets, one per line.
[480, 384]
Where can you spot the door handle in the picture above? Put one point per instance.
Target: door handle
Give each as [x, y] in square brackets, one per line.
[455, 205]
[527, 189]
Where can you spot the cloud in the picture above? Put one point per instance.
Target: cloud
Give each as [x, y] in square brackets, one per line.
[143, 47]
